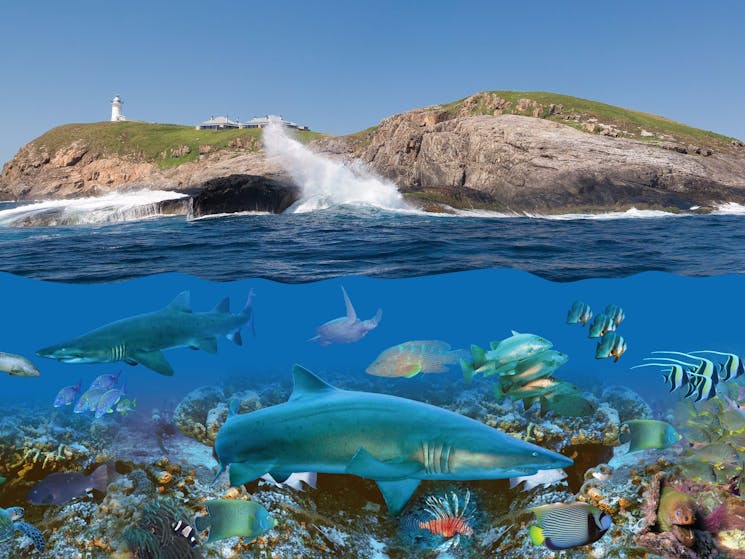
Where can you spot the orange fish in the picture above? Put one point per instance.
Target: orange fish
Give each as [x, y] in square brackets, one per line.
[449, 520]
[411, 358]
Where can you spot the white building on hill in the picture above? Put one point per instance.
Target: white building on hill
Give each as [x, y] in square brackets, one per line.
[116, 109]
[223, 122]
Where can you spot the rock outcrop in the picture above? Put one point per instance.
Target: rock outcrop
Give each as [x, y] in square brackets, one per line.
[526, 164]
[486, 151]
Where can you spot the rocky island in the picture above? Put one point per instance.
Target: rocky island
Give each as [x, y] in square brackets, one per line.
[528, 152]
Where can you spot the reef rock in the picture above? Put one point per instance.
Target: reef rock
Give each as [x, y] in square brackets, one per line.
[243, 193]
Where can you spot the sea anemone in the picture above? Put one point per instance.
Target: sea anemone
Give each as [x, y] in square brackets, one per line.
[153, 537]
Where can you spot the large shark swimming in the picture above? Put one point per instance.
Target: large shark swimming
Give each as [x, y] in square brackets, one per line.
[394, 441]
[141, 339]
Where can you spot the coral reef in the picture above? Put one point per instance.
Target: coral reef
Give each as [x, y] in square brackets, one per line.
[204, 410]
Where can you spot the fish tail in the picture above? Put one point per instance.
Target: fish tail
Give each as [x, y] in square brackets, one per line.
[468, 372]
[100, 478]
[536, 535]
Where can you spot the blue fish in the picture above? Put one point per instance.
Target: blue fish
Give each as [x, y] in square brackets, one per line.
[67, 395]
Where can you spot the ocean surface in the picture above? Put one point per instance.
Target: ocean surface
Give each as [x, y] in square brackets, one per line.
[343, 241]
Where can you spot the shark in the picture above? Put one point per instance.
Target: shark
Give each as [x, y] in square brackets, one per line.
[394, 441]
[345, 329]
[140, 339]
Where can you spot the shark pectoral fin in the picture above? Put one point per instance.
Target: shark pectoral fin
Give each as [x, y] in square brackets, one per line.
[235, 337]
[129, 361]
[245, 472]
[365, 465]
[205, 344]
[154, 360]
[397, 493]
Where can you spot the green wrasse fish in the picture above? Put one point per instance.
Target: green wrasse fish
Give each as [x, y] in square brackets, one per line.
[648, 433]
[411, 358]
[538, 366]
[141, 339]
[579, 313]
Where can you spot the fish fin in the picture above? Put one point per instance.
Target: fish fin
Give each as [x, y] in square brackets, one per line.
[245, 472]
[201, 523]
[154, 360]
[478, 356]
[308, 384]
[100, 478]
[248, 312]
[220, 470]
[364, 464]
[33, 533]
[182, 303]
[205, 344]
[414, 370]
[130, 361]
[397, 493]
[314, 339]
[351, 313]
[233, 406]
[536, 535]
[468, 372]
[223, 306]
[235, 337]
[493, 345]
[280, 476]
[515, 332]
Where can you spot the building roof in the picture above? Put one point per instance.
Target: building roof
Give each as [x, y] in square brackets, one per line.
[219, 121]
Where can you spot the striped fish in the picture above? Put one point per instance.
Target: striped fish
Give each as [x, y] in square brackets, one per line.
[676, 377]
[601, 325]
[563, 526]
[183, 529]
[451, 520]
[731, 369]
[616, 313]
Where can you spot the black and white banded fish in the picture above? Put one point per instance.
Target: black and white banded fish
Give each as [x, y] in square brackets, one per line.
[731, 369]
[676, 377]
[183, 529]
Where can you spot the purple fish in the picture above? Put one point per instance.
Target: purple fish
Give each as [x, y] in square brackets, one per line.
[346, 329]
[59, 488]
[66, 396]
[105, 381]
[89, 400]
[109, 399]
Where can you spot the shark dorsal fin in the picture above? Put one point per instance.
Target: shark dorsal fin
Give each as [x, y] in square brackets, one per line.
[351, 314]
[182, 302]
[308, 384]
[223, 306]
[515, 332]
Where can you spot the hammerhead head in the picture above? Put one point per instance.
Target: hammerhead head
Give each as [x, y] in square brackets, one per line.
[140, 339]
[345, 329]
[394, 441]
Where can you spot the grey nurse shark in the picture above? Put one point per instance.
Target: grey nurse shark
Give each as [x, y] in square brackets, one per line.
[140, 339]
[394, 441]
[345, 329]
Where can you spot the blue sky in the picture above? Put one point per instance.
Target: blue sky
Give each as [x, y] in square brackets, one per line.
[342, 66]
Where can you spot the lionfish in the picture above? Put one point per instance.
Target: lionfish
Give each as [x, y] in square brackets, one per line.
[449, 519]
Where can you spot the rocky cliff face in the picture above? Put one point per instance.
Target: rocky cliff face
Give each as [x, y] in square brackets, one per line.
[487, 152]
[523, 163]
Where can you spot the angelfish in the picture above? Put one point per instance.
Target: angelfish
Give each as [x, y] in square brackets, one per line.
[234, 517]
[600, 325]
[611, 344]
[563, 526]
[648, 433]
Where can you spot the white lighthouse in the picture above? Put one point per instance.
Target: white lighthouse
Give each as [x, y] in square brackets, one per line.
[116, 109]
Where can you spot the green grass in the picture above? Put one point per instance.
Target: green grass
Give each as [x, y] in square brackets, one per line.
[624, 119]
[143, 141]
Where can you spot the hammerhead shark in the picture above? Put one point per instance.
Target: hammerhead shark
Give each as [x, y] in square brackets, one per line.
[345, 329]
[140, 339]
[394, 441]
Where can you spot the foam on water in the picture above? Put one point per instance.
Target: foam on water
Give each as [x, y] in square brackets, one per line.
[112, 207]
[326, 183]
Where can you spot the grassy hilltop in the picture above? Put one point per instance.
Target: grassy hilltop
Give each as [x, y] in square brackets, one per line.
[153, 143]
